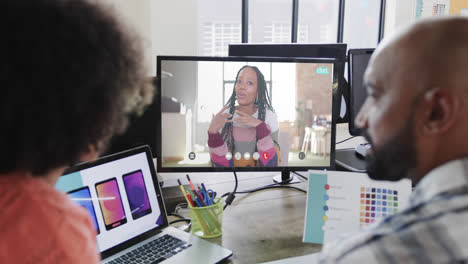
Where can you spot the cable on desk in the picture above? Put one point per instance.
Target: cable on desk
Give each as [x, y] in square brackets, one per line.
[176, 215]
[181, 220]
[269, 186]
[344, 140]
[300, 175]
[231, 195]
[262, 188]
[273, 187]
[254, 189]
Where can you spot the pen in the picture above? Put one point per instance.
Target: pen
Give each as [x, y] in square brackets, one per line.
[181, 187]
[186, 195]
[203, 186]
[200, 198]
[189, 200]
[191, 184]
[194, 197]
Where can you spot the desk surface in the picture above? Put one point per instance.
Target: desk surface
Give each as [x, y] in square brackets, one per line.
[266, 225]
[261, 226]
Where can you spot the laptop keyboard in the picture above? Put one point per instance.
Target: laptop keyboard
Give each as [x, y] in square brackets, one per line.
[155, 251]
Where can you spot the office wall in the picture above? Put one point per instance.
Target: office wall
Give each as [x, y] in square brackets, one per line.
[168, 27]
[183, 83]
[173, 28]
[137, 15]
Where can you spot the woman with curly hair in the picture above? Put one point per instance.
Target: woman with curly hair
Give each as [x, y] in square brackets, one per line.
[70, 73]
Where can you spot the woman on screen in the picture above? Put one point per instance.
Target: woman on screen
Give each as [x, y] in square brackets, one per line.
[246, 134]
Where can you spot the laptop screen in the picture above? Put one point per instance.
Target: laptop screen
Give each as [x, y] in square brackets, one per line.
[119, 194]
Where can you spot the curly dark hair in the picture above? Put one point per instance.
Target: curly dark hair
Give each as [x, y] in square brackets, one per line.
[262, 102]
[69, 74]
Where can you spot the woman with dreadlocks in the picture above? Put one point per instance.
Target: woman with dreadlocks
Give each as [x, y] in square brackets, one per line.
[247, 128]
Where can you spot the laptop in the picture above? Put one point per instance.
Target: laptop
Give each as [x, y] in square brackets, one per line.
[122, 195]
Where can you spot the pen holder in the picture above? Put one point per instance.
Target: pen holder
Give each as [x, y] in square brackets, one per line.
[207, 221]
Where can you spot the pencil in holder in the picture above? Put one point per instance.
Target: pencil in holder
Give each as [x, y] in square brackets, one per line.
[207, 221]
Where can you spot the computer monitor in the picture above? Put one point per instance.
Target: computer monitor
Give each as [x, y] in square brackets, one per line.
[335, 50]
[358, 60]
[294, 109]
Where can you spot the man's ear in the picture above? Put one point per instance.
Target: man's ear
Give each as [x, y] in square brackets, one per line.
[441, 107]
[90, 155]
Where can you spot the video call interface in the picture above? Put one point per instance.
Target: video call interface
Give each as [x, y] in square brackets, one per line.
[119, 197]
[297, 114]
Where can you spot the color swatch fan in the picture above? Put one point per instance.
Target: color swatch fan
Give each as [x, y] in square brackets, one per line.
[342, 202]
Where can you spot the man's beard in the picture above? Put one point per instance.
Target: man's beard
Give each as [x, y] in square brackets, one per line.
[394, 159]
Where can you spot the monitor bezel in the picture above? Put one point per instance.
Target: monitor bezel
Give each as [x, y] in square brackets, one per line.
[282, 169]
[353, 130]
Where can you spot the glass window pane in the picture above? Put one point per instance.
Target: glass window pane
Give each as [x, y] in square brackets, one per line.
[361, 16]
[194, 27]
[284, 90]
[219, 24]
[228, 90]
[264, 68]
[318, 21]
[210, 75]
[270, 21]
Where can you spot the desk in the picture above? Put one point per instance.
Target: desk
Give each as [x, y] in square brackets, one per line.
[262, 226]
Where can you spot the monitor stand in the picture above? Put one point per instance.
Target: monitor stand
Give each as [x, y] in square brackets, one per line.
[285, 177]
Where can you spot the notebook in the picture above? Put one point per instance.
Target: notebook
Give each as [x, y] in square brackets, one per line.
[122, 195]
[340, 202]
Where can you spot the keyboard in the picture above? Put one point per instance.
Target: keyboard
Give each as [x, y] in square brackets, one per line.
[155, 251]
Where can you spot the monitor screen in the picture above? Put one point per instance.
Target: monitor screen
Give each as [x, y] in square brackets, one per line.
[247, 113]
[358, 60]
[335, 50]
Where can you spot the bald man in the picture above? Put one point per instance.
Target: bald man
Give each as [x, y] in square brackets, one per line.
[416, 117]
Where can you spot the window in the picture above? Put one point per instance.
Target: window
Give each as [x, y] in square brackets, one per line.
[216, 37]
[277, 32]
[270, 21]
[219, 24]
[361, 16]
[207, 27]
[318, 21]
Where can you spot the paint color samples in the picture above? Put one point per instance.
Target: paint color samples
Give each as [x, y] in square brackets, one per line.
[342, 202]
[382, 202]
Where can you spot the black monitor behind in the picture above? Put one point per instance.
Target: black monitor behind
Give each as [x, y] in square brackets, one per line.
[335, 50]
[357, 63]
